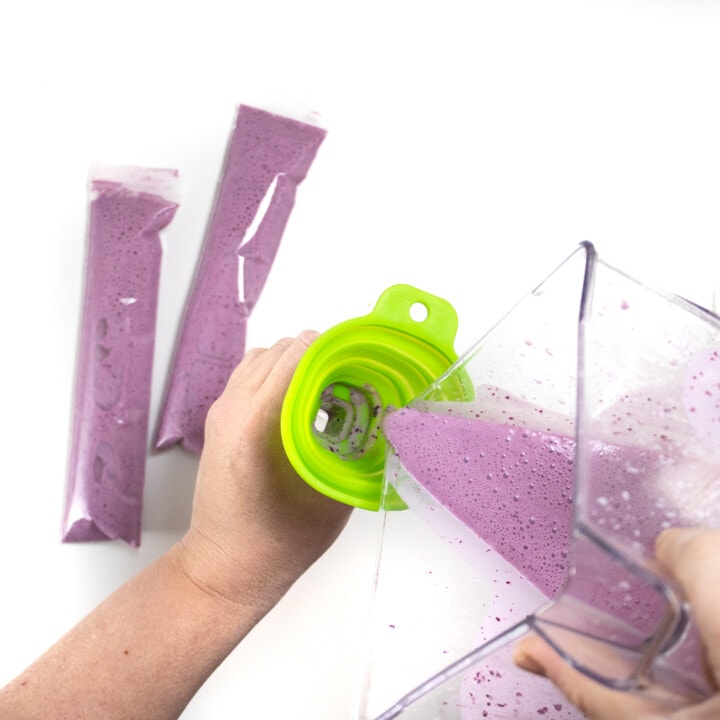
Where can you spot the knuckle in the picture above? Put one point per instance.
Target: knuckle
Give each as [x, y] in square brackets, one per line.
[252, 353]
[307, 337]
[217, 416]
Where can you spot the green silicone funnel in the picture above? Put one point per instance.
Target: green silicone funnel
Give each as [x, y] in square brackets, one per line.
[349, 378]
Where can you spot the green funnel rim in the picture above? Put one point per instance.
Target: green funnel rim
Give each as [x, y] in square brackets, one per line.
[389, 358]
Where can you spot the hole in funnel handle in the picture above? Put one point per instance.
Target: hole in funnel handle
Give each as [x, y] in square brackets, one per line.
[418, 312]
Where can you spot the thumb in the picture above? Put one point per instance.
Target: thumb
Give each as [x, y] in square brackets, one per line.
[692, 557]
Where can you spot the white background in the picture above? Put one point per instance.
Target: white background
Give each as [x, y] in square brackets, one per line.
[471, 146]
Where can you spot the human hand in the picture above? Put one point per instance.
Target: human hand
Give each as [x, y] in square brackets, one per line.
[692, 558]
[256, 526]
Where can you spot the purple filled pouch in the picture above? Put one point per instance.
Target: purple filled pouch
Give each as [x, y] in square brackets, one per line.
[267, 158]
[106, 471]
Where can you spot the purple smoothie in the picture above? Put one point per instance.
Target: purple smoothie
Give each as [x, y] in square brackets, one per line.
[129, 207]
[513, 487]
[267, 158]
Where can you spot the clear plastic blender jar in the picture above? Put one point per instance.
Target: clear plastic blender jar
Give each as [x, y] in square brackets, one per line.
[538, 468]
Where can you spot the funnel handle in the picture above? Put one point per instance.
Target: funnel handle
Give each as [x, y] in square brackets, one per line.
[436, 323]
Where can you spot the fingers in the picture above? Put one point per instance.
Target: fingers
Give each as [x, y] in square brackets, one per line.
[285, 363]
[595, 700]
[536, 656]
[692, 558]
[258, 364]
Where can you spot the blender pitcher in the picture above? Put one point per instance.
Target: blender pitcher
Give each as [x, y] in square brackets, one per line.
[539, 469]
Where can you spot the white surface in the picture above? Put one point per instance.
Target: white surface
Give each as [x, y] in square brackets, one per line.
[470, 147]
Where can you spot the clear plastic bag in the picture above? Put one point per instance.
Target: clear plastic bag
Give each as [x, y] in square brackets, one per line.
[129, 207]
[267, 158]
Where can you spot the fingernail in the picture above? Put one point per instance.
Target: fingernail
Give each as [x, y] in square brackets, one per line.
[529, 663]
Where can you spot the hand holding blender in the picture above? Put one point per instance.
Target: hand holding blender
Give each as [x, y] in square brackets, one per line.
[611, 392]
[691, 557]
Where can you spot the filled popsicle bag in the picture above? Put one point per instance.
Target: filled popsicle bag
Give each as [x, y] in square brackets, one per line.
[268, 156]
[129, 207]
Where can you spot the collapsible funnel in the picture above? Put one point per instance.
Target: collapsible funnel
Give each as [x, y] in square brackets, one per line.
[539, 470]
[350, 377]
